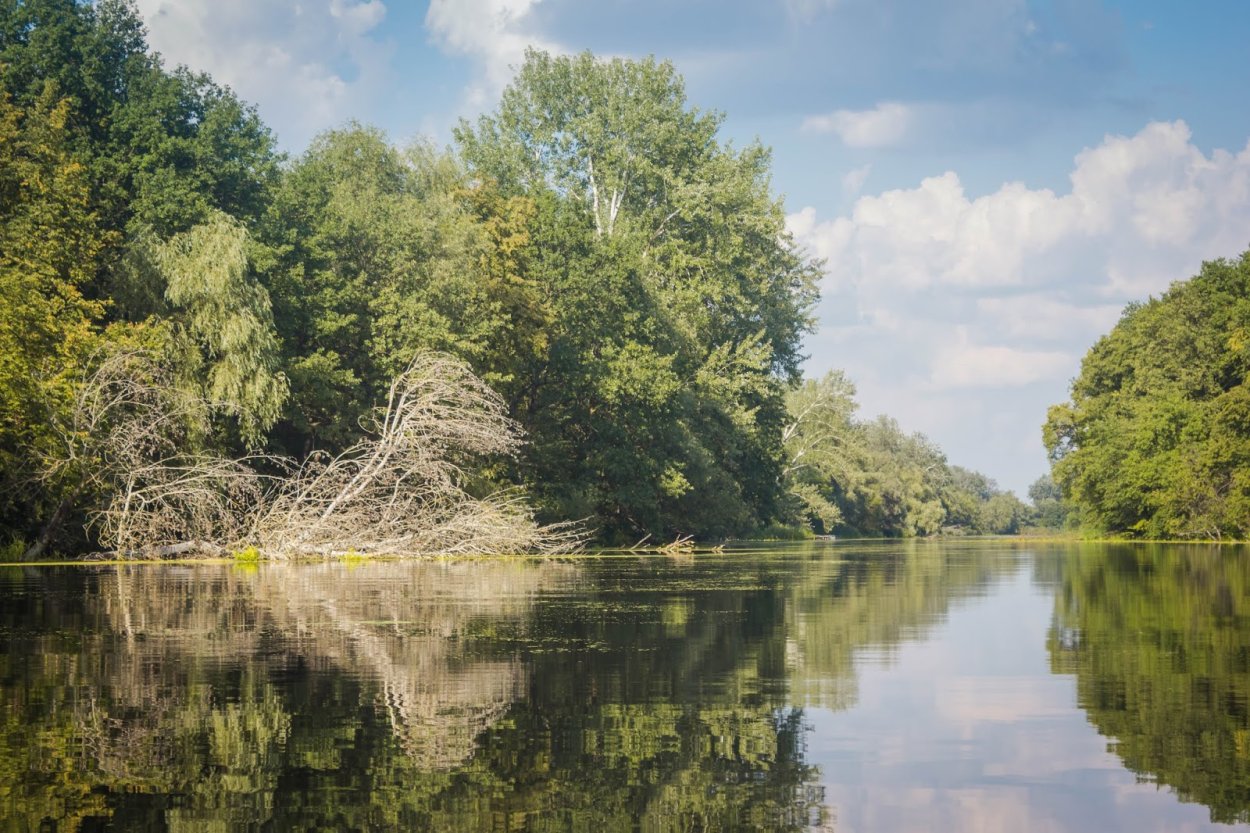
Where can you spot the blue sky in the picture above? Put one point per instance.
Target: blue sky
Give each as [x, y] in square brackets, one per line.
[990, 181]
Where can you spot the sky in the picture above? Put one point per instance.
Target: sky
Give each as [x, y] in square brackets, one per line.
[989, 182]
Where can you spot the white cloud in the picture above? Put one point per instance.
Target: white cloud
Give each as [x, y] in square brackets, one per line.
[885, 125]
[492, 32]
[931, 293]
[854, 179]
[361, 17]
[1143, 210]
[306, 66]
[1040, 317]
[964, 365]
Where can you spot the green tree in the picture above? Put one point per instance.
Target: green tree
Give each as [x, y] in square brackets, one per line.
[374, 254]
[678, 300]
[964, 498]
[107, 160]
[224, 331]
[50, 240]
[1050, 510]
[822, 444]
[899, 491]
[161, 149]
[871, 478]
[1155, 440]
[1003, 514]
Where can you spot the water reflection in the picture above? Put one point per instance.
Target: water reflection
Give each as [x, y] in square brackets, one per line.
[447, 696]
[182, 696]
[878, 686]
[880, 596]
[1159, 641]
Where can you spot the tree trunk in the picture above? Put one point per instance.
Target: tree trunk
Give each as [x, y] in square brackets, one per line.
[51, 528]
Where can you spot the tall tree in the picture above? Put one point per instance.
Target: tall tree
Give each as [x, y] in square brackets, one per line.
[1050, 510]
[678, 298]
[50, 240]
[107, 159]
[822, 443]
[162, 149]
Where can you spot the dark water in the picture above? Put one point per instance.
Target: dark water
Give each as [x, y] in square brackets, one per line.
[974, 686]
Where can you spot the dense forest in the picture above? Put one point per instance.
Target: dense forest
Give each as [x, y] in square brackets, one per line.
[618, 276]
[1155, 441]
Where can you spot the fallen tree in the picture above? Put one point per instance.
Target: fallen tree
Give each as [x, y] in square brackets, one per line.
[399, 490]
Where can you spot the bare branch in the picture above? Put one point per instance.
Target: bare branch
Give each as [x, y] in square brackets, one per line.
[397, 491]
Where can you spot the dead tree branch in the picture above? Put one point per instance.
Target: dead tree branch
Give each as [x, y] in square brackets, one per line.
[399, 490]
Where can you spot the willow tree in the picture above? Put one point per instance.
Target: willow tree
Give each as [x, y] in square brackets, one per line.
[678, 299]
[223, 325]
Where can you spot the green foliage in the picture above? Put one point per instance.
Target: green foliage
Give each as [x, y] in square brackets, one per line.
[160, 149]
[1155, 441]
[375, 254]
[50, 239]
[676, 299]
[871, 478]
[12, 550]
[622, 277]
[1050, 509]
[1003, 514]
[225, 315]
[104, 155]
[618, 273]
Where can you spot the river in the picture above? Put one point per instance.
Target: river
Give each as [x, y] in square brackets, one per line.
[960, 685]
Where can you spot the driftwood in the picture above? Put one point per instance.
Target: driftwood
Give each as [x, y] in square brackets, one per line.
[397, 491]
[681, 545]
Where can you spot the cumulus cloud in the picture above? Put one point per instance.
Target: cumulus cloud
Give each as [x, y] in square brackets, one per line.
[885, 125]
[304, 65]
[1142, 210]
[493, 33]
[931, 292]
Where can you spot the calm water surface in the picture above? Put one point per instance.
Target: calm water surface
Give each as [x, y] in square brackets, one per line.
[926, 686]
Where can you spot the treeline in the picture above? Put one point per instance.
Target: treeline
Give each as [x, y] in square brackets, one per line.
[1155, 441]
[616, 272]
[869, 477]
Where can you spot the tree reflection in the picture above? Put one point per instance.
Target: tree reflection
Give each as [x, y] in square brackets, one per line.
[629, 694]
[878, 598]
[1159, 641]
